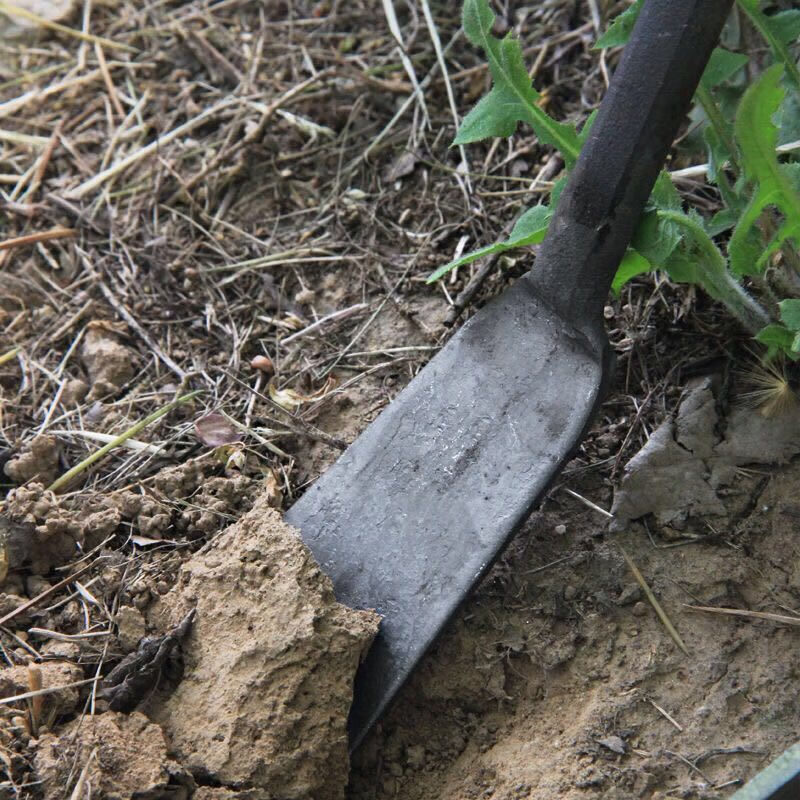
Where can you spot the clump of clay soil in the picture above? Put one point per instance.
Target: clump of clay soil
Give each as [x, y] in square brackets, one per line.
[269, 664]
[38, 461]
[118, 755]
[109, 364]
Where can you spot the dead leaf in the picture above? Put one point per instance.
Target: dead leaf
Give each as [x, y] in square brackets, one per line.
[215, 430]
[402, 166]
[291, 399]
[613, 743]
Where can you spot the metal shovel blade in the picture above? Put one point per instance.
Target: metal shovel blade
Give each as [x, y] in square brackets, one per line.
[417, 509]
[414, 512]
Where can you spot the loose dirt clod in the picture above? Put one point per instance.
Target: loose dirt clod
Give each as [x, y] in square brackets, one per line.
[39, 461]
[109, 363]
[269, 664]
[680, 471]
[119, 755]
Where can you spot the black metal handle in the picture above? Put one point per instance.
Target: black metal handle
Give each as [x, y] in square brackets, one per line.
[638, 119]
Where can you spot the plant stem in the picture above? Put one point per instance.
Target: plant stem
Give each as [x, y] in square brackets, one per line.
[779, 49]
[718, 123]
[123, 437]
[715, 278]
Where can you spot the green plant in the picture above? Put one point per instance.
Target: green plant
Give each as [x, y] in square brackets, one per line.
[744, 256]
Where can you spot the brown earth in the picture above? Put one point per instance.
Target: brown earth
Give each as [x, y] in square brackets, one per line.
[191, 269]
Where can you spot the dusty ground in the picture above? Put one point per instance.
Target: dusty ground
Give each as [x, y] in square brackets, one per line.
[286, 196]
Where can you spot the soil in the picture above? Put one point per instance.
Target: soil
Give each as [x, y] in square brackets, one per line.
[276, 262]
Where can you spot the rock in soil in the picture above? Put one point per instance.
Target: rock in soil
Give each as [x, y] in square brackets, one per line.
[39, 460]
[118, 755]
[269, 664]
[109, 363]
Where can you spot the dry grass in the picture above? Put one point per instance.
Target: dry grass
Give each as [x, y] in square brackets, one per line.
[217, 182]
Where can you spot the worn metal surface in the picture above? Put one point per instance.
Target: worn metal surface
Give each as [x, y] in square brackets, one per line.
[779, 781]
[418, 508]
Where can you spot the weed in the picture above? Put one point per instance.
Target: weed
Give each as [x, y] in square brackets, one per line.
[744, 256]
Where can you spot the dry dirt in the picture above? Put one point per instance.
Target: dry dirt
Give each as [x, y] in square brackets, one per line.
[212, 265]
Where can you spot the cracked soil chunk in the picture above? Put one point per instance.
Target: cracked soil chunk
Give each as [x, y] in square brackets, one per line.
[124, 755]
[680, 471]
[38, 460]
[109, 363]
[269, 664]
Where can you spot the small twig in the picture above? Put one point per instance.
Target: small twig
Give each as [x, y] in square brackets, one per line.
[736, 612]
[588, 503]
[9, 355]
[691, 766]
[115, 169]
[132, 321]
[45, 594]
[47, 690]
[666, 716]
[68, 637]
[118, 440]
[297, 426]
[41, 236]
[662, 615]
[78, 791]
[334, 316]
[464, 297]
[15, 11]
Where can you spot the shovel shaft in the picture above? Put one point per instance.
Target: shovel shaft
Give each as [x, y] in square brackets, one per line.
[607, 190]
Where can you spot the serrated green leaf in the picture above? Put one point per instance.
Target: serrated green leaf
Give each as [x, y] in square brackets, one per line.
[792, 174]
[721, 221]
[682, 267]
[632, 264]
[786, 25]
[512, 98]
[655, 238]
[777, 339]
[722, 65]
[757, 136]
[790, 314]
[788, 119]
[773, 30]
[529, 229]
[700, 261]
[619, 31]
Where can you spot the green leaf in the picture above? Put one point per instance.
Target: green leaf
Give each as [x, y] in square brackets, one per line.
[529, 229]
[632, 264]
[790, 314]
[700, 261]
[792, 174]
[682, 268]
[777, 339]
[774, 29]
[721, 221]
[788, 119]
[757, 137]
[655, 238]
[786, 25]
[722, 65]
[512, 98]
[619, 31]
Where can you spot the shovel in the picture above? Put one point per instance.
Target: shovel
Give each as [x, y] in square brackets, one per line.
[417, 509]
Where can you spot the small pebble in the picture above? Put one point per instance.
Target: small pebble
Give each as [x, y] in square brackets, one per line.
[560, 529]
[141, 601]
[570, 592]
[639, 609]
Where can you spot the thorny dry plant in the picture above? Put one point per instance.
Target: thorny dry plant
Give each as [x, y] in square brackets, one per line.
[202, 185]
